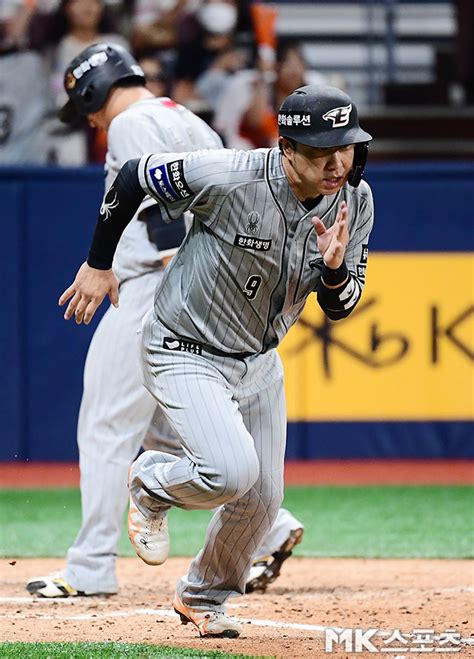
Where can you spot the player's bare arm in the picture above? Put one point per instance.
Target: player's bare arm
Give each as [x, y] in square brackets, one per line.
[95, 279]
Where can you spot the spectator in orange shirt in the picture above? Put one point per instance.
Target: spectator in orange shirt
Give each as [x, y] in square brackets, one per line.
[246, 111]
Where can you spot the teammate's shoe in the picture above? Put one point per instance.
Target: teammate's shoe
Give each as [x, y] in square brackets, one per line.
[54, 586]
[264, 571]
[209, 623]
[149, 535]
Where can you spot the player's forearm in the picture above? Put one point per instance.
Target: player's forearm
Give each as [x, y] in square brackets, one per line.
[119, 206]
[338, 292]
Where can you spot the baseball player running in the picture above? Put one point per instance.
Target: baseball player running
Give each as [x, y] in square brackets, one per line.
[105, 84]
[270, 227]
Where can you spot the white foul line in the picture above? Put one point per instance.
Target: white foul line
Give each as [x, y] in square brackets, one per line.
[168, 613]
[141, 612]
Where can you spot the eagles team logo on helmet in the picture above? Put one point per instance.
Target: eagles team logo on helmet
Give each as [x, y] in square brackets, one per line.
[90, 76]
[324, 117]
[339, 116]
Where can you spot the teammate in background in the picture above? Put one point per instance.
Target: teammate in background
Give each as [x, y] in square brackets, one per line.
[105, 84]
[257, 248]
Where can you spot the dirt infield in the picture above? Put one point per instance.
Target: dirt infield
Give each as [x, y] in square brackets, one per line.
[289, 621]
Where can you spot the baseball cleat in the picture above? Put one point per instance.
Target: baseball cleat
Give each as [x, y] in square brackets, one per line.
[208, 623]
[52, 587]
[264, 571]
[149, 535]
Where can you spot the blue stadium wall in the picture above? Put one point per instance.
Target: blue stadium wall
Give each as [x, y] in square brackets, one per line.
[48, 216]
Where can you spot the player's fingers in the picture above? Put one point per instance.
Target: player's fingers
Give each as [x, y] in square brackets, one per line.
[340, 229]
[114, 294]
[80, 309]
[342, 213]
[345, 213]
[90, 310]
[319, 226]
[71, 307]
[69, 292]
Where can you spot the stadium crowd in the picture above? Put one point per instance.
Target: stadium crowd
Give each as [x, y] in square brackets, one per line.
[220, 58]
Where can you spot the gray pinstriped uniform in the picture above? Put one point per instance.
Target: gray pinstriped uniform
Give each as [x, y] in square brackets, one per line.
[116, 410]
[237, 284]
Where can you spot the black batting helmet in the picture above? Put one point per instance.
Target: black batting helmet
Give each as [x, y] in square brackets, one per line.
[91, 74]
[324, 117]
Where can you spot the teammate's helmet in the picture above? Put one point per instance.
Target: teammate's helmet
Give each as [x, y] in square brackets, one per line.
[324, 117]
[91, 74]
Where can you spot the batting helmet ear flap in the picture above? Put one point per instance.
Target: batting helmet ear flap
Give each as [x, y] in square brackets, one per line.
[361, 151]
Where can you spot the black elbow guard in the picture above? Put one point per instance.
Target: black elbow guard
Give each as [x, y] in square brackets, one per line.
[338, 302]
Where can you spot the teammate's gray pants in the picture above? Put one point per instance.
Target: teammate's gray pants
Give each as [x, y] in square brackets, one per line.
[114, 421]
[230, 415]
[115, 413]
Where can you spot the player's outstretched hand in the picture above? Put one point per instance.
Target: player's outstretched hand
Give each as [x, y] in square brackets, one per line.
[87, 293]
[332, 242]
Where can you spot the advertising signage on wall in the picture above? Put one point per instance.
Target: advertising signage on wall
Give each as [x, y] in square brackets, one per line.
[405, 353]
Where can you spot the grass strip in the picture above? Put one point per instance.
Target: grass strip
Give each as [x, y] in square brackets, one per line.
[340, 521]
[105, 651]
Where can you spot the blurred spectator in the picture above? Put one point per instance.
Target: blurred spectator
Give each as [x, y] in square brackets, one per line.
[207, 53]
[211, 84]
[155, 23]
[24, 95]
[246, 112]
[78, 24]
[157, 81]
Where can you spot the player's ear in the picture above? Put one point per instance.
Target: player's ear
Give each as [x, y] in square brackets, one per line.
[286, 146]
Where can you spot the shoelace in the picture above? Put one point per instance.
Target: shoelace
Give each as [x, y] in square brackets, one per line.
[214, 616]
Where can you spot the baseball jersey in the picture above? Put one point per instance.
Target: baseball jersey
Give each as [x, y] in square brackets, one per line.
[161, 126]
[243, 274]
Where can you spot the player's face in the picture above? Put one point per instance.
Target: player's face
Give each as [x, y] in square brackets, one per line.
[321, 171]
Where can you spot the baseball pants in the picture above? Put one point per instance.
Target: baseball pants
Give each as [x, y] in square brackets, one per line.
[230, 416]
[117, 416]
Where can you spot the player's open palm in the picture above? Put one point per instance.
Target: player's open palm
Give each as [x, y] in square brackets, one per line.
[332, 242]
[87, 292]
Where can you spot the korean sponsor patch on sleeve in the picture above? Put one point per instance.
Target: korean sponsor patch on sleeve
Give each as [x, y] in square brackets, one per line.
[364, 253]
[169, 182]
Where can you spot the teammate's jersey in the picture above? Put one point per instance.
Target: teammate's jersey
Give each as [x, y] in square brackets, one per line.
[242, 292]
[161, 126]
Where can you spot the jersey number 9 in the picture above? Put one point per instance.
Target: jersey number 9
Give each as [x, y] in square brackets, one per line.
[251, 287]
